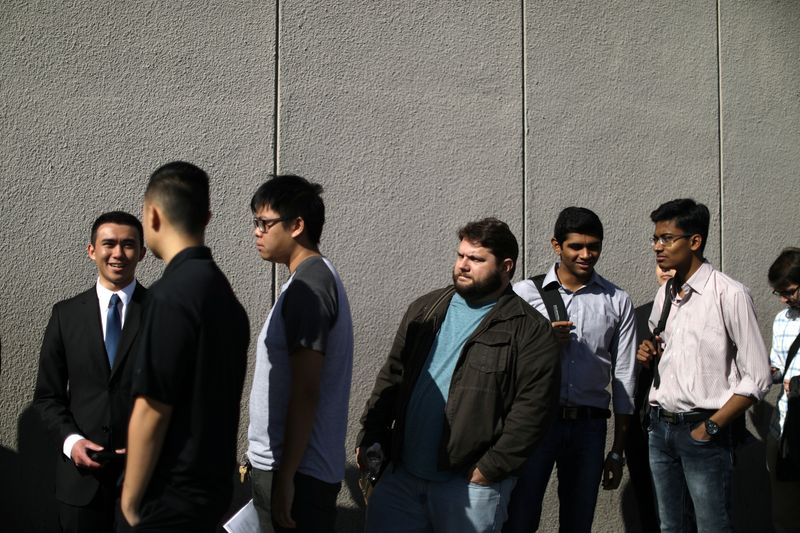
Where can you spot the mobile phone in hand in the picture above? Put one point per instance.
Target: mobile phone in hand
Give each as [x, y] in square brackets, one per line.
[102, 456]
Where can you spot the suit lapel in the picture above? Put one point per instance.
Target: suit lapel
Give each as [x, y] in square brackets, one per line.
[132, 319]
[90, 309]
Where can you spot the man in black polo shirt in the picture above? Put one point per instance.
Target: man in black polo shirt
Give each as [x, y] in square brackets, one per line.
[190, 372]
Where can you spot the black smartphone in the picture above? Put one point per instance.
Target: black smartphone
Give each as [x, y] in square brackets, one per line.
[102, 456]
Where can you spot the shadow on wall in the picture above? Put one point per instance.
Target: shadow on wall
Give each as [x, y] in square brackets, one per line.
[27, 485]
[751, 490]
[27, 490]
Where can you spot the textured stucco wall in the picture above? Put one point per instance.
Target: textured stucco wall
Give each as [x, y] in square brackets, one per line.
[416, 117]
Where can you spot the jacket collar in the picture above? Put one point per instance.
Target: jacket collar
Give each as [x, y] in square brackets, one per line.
[508, 305]
[187, 254]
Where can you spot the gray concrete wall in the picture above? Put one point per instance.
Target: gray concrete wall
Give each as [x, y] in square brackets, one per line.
[416, 117]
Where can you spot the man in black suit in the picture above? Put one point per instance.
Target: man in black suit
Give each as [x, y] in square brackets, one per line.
[83, 392]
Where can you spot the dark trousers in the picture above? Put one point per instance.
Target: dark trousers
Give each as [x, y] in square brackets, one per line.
[314, 507]
[576, 448]
[159, 516]
[638, 454]
[96, 517]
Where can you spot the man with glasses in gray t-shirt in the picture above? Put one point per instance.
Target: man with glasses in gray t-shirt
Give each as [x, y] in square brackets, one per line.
[304, 357]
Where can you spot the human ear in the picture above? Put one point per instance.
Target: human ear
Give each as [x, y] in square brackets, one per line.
[556, 246]
[298, 227]
[695, 242]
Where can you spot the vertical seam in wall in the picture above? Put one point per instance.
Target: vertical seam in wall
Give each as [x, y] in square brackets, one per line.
[276, 125]
[719, 133]
[524, 253]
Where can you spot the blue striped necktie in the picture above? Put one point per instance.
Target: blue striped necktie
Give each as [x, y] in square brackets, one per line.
[113, 329]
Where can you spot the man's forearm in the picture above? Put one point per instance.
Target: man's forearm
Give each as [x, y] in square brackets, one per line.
[735, 406]
[146, 431]
[299, 423]
[302, 409]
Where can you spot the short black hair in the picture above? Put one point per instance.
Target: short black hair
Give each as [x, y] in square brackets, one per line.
[786, 268]
[693, 218]
[117, 217]
[577, 220]
[495, 235]
[293, 197]
[181, 189]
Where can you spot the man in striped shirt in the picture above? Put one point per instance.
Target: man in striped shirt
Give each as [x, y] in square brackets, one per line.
[712, 366]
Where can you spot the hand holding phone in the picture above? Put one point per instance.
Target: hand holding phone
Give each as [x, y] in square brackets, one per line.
[102, 456]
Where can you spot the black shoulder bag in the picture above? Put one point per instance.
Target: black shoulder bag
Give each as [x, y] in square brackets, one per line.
[787, 465]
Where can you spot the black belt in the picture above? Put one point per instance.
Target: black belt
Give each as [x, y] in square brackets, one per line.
[697, 415]
[567, 412]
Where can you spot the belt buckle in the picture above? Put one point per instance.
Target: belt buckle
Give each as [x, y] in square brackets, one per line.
[671, 418]
[569, 413]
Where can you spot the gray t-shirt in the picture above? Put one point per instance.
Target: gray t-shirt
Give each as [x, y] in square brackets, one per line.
[311, 312]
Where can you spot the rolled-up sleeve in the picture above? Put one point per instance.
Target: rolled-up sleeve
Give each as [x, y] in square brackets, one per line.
[751, 354]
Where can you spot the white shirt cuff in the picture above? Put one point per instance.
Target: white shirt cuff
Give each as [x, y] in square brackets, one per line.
[69, 442]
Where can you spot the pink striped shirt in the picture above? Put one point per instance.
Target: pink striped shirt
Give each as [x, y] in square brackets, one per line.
[713, 346]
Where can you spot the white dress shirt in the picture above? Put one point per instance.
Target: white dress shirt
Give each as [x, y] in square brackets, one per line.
[602, 342]
[103, 299]
[712, 345]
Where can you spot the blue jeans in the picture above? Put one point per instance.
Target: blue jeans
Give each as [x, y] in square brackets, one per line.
[576, 447]
[403, 502]
[680, 463]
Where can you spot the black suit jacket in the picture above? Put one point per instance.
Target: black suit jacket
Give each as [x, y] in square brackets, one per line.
[77, 392]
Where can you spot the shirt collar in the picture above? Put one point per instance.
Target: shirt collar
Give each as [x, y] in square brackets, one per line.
[552, 277]
[700, 278]
[104, 295]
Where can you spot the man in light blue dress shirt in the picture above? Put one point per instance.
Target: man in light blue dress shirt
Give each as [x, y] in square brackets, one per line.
[598, 347]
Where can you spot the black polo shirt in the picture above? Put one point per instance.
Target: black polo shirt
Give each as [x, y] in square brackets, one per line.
[193, 356]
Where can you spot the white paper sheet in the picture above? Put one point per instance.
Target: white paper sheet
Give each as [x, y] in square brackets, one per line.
[244, 521]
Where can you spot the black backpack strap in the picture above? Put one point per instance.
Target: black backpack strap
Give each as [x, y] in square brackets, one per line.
[662, 323]
[662, 320]
[551, 298]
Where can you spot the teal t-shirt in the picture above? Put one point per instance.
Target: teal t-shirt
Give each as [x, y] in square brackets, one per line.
[425, 413]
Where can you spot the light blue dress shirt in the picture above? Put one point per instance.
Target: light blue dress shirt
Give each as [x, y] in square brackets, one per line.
[602, 345]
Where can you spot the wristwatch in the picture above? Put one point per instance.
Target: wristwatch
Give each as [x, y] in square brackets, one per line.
[617, 458]
[711, 427]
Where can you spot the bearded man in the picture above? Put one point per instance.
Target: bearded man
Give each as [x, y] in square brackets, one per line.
[468, 390]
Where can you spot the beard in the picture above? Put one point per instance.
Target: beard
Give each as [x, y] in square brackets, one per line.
[478, 289]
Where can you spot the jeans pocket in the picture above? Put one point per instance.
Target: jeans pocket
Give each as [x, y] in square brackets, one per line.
[698, 442]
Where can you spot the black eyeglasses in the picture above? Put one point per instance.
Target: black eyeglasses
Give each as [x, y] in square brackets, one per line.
[667, 239]
[788, 293]
[264, 224]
